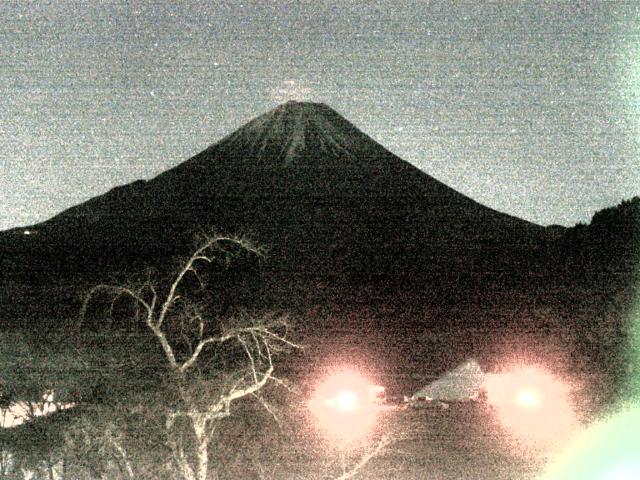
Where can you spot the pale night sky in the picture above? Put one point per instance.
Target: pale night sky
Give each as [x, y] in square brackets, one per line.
[530, 108]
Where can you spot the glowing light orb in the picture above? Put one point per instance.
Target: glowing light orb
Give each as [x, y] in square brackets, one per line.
[343, 407]
[531, 403]
[528, 398]
[347, 401]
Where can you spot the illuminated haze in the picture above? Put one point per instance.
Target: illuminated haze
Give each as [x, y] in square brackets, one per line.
[529, 109]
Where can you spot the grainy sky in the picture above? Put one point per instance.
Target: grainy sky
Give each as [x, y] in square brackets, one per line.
[531, 108]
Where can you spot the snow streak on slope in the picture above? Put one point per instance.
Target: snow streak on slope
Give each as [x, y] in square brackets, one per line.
[291, 131]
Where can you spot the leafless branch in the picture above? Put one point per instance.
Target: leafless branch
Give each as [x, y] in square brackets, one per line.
[117, 291]
[384, 442]
[250, 357]
[259, 338]
[269, 409]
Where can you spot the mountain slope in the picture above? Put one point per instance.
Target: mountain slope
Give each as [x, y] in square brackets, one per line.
[326, 198]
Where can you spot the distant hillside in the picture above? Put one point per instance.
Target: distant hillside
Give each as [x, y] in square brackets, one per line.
[607, 251]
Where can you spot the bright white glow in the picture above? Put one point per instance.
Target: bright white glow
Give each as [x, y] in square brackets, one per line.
[347, 401]
[345, 406]
[528, 398]
[531, 403]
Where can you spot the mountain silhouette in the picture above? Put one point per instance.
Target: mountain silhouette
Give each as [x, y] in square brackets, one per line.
[375, 258]
[326, 199]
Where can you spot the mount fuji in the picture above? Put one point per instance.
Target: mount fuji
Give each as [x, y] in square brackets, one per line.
[327, 200]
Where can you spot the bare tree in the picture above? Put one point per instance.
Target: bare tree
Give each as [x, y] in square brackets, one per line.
[188, 337]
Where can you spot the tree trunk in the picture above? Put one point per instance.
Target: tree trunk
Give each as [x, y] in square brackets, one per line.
[50, 470]
[178, 455]
[125, 459]
[202, 439]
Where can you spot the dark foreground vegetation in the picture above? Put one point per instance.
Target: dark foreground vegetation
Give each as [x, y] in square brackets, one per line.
[216, 387]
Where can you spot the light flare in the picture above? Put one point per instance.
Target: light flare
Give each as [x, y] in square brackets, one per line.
[347, 401]
[343, 407]
[532, 404]
[528, 398]
[608, 449]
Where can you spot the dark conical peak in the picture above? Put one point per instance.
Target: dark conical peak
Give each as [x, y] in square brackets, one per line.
[296, 106]
[298, 109]
[295, 130]
[295, 113]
